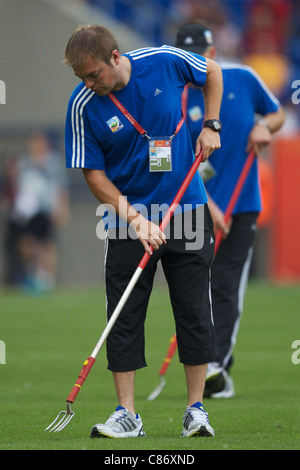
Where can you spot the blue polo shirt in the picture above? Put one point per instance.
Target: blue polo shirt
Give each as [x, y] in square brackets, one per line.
[98, 135]
[244, 96]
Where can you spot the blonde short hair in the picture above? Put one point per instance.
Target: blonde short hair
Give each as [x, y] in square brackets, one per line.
[90, 40]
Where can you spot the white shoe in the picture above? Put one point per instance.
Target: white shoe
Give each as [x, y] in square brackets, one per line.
[195, 422]
[228, 390]
[214, 381]
[122, 423]
[213, 370]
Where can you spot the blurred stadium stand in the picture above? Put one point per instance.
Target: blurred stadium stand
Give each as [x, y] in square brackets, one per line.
[33, 37]
[157, 19]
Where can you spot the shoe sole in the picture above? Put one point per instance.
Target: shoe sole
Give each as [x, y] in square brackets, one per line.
[224, 394]
[100, 434]
[214, 385]
[227, 391]
[201, 432]
[213, 375]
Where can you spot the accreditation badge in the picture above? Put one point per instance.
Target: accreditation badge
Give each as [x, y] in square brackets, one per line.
[206, 171]
[160, 154]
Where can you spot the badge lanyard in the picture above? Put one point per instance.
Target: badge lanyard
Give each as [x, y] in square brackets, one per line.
[128, 115]
[160, 157]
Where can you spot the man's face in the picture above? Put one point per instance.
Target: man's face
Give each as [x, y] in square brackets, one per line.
[98, 76]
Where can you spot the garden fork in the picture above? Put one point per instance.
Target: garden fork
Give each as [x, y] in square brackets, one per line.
[64, 417]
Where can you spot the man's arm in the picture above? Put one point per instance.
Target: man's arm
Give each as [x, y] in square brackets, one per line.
[261, 133]
[218, 218]
[107, 193]
[259, 137]
[208, 139]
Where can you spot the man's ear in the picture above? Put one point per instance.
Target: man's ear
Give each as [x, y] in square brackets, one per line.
[212, 52]
[115, 56]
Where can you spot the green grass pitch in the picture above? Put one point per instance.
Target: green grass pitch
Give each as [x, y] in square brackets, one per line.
[48, 338]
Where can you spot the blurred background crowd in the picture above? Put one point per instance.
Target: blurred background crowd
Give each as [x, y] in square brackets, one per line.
[264, 34]
[46, 215]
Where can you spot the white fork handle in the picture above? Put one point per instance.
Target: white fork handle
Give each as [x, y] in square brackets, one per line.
[117, 312]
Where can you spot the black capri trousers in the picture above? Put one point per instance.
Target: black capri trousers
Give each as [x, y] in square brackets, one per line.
[186, 263]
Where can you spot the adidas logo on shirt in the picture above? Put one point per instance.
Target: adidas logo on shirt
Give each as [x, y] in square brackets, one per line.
[157, 92]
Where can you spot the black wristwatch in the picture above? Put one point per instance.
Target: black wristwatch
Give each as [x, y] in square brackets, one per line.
[214, 124]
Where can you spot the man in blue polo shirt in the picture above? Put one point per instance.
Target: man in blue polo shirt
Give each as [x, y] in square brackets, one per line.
[124, 130]
[250, 114]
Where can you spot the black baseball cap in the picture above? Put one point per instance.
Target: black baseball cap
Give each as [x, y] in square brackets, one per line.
[194, 37]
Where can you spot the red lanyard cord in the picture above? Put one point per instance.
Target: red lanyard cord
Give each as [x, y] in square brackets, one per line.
[127, 115]
[134, 122]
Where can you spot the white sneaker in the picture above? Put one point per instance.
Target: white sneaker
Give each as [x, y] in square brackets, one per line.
[214, 381]
[213, 370]
[228, 390]
[122, 423]
[195, 422]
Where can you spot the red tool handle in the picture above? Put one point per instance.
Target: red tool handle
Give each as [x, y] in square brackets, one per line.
[88, 364]
[175, 203]
[170, 354]
[233, 200]
[235, 195]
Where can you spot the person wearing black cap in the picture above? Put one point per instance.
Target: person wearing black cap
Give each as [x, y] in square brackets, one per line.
[194, 37]
[245, 97]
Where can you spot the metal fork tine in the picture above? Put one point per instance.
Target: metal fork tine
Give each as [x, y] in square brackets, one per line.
[65, 422]
[53, 426]
[59, 424]
[54, 421]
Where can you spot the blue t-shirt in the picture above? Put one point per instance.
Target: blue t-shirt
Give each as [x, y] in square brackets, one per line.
[244, 95]
[98, 135]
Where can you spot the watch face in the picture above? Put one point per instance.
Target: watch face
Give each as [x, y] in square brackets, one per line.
[214, 124]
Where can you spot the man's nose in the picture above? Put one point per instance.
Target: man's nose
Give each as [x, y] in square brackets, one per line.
[89, 83]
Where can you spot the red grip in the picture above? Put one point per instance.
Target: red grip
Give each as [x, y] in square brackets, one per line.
[88, 364]
[170, 353]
